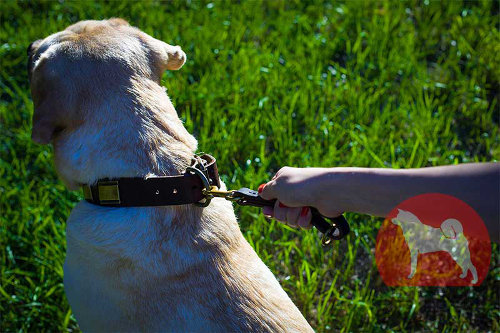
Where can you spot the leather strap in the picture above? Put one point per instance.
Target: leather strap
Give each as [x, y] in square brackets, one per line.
[155, 191]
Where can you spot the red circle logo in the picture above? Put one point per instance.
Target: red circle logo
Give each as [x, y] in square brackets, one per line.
[433, 240]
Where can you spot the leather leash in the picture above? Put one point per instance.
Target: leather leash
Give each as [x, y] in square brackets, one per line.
[338, 229]
[198, 185]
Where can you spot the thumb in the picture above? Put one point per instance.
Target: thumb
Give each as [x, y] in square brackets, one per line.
[268, 191]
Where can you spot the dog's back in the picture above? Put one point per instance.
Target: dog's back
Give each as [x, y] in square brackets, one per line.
[150, 269]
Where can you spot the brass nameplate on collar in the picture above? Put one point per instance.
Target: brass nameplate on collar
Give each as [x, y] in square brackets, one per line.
[108, 192]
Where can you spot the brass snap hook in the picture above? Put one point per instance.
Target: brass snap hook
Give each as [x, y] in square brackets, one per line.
[214, 192]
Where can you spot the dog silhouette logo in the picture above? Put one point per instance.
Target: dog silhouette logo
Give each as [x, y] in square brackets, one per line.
[433, 240]
[422, 238]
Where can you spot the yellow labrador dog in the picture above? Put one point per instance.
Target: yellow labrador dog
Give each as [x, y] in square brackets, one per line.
[98, 100]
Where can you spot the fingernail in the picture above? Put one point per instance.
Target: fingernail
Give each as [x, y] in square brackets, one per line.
[261, 187]
[282, 205]
[304, 211]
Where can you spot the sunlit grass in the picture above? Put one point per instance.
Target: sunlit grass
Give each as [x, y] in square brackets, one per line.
[268, 84]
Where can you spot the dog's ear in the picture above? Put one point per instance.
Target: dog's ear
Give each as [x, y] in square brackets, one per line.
[44, 122]
[50, 99]
[116, 21]
[43, 115]
[165, 56]
[33, 46]
[171, 57]
[176, 57]
[31, 51]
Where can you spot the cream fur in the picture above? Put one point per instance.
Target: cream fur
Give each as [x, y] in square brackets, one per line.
[97, 98]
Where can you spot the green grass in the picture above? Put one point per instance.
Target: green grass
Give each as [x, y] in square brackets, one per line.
[268, 84]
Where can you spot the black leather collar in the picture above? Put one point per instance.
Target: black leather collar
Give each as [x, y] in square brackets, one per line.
[156, 191]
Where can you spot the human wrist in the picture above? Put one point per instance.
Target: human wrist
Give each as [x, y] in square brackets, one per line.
[370, 190]
[346, 189]
[333, 193]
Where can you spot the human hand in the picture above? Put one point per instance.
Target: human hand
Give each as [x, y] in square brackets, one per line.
[297, 189]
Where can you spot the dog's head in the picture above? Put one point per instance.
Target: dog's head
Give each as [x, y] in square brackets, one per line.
[86, 65]
[404, 217]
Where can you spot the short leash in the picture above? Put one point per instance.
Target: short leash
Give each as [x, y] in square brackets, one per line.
[198, 185]
[247, 197]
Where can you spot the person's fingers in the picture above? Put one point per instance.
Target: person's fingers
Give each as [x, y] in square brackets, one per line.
[280, 171]
[292, 215]
[304, 219]
[268, 211]
[268, 191]
[280, 211]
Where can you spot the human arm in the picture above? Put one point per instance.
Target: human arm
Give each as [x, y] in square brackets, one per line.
[377, 191]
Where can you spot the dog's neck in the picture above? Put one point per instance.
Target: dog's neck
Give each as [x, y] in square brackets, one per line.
[145, 137]
[141, 136]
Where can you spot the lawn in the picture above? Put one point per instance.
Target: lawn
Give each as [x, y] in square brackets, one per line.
[268, 84]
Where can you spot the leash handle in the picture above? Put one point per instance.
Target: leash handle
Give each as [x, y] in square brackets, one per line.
[335, 231]
[338, 229]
